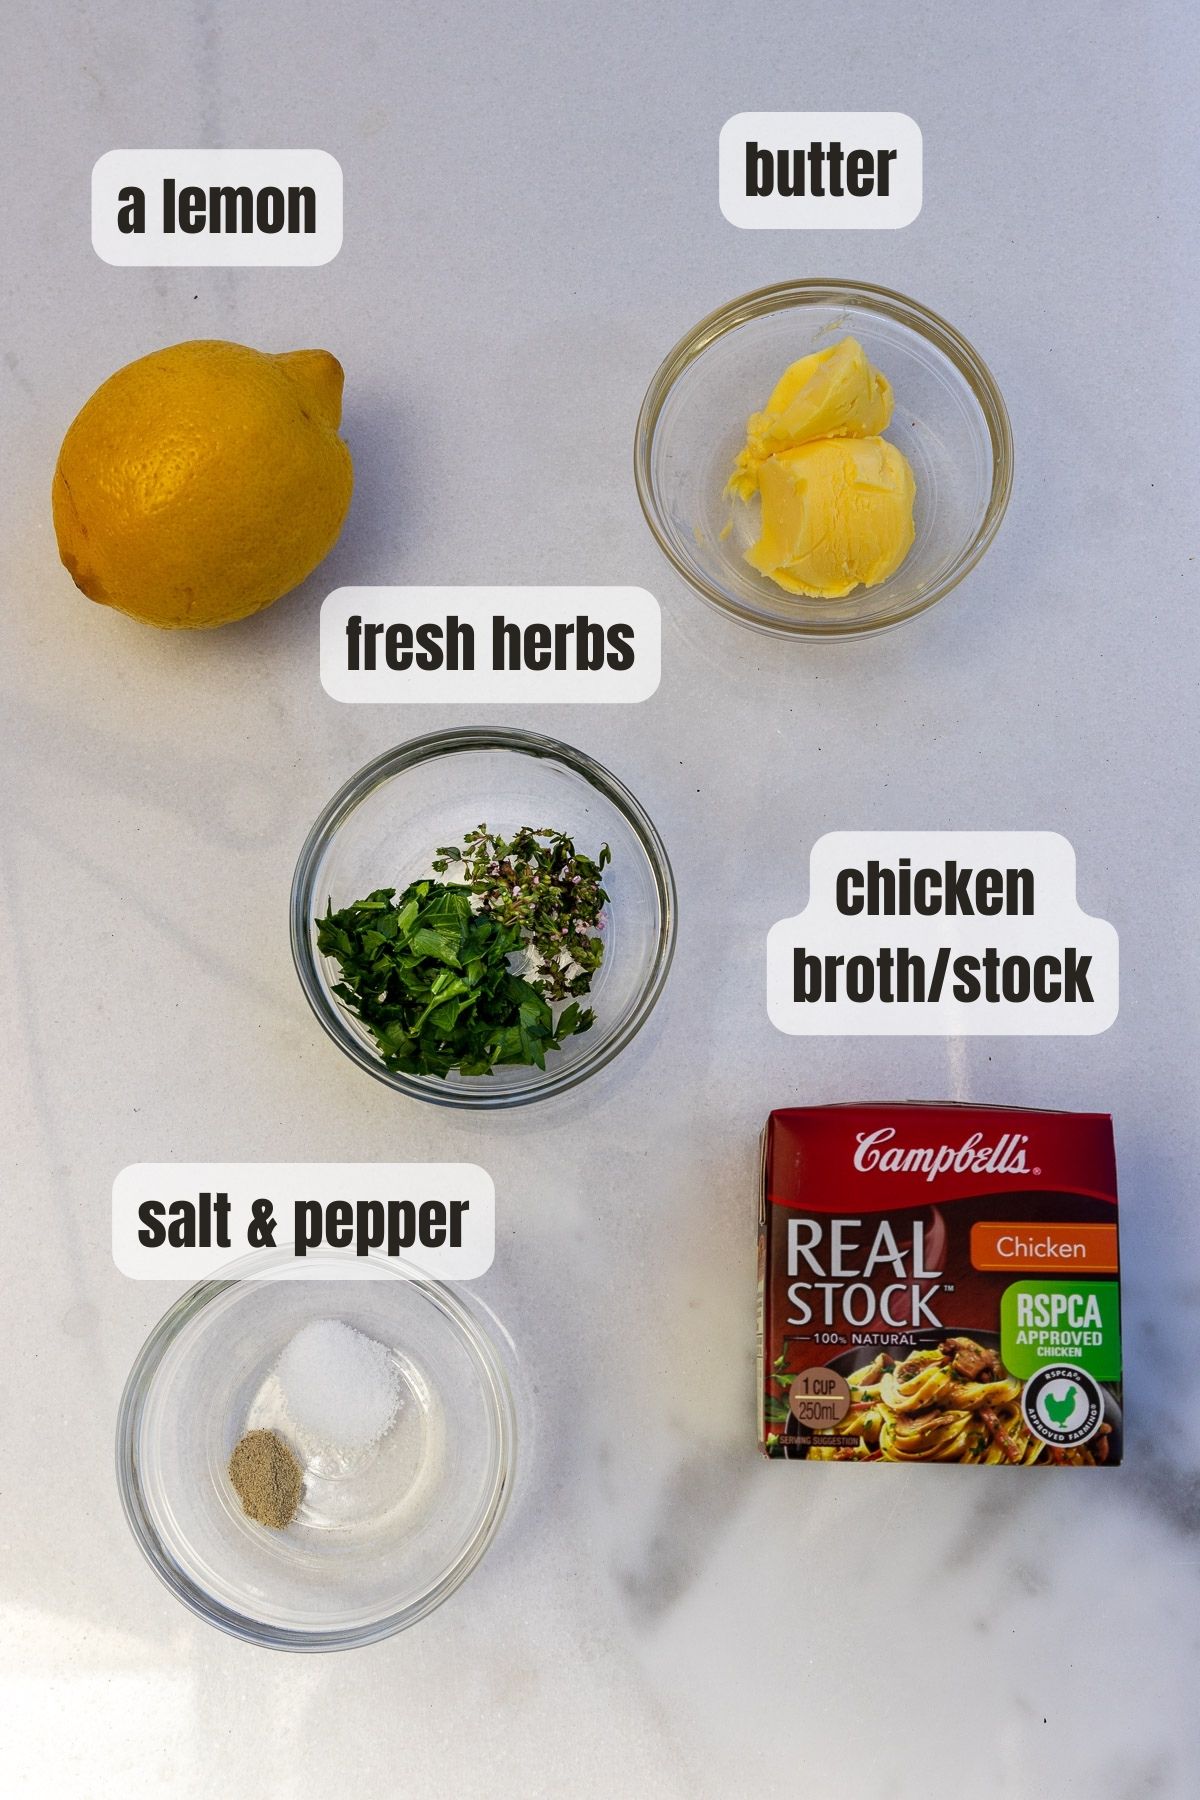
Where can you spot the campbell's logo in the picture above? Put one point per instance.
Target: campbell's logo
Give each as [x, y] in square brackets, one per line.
[877, 1150]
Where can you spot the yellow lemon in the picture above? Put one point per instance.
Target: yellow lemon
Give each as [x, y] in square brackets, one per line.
[200, 483]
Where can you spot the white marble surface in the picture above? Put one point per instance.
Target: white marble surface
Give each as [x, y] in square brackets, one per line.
[531, 220]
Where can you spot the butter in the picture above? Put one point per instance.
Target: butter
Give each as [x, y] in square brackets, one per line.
[837, 499]
[832, 394]
[835, 514]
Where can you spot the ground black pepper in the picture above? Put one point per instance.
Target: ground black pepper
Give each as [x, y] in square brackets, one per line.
[266, 1478]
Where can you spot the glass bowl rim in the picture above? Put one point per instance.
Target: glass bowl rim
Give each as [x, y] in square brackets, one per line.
[410, 754]
[893, 305]
[497, 1391]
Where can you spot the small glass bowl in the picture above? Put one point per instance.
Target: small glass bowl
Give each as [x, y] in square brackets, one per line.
[949, 421]
[378, 1541]
[383, 829]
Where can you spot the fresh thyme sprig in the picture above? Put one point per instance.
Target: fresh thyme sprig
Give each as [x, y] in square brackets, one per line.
[538, 882]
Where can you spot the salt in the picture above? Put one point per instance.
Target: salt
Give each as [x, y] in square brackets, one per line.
[341, 1388]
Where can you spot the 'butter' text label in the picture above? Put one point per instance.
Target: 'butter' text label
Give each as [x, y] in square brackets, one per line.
[820, 171]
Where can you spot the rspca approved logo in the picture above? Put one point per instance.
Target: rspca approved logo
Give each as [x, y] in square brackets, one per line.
[1062, 1405]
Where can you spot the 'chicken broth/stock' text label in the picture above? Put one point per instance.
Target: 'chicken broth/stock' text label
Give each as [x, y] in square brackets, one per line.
[942, 933]
[937, 1260]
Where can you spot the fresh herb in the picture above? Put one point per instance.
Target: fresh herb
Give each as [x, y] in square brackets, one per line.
[430, 973]
[552, 893]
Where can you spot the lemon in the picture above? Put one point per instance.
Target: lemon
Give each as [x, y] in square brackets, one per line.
[201, 482]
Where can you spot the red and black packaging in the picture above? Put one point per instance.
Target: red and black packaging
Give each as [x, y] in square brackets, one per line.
[939, 1283]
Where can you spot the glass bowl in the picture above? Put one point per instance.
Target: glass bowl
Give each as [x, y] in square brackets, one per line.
[379, 1540]
[949, 421]
[383, 829]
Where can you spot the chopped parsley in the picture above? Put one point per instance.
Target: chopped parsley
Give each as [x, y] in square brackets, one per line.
[430, 971]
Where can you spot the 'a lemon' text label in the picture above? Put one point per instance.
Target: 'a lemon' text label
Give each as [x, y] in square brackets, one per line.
[217, 208]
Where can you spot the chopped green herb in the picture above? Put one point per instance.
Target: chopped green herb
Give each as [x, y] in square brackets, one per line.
[429, 973]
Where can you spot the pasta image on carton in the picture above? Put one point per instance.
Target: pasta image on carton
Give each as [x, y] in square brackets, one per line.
[939, 1284]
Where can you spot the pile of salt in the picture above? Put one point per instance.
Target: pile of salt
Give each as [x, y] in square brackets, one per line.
[341, 1388]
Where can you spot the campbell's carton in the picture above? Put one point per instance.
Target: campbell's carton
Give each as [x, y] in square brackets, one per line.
[939, 1284]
